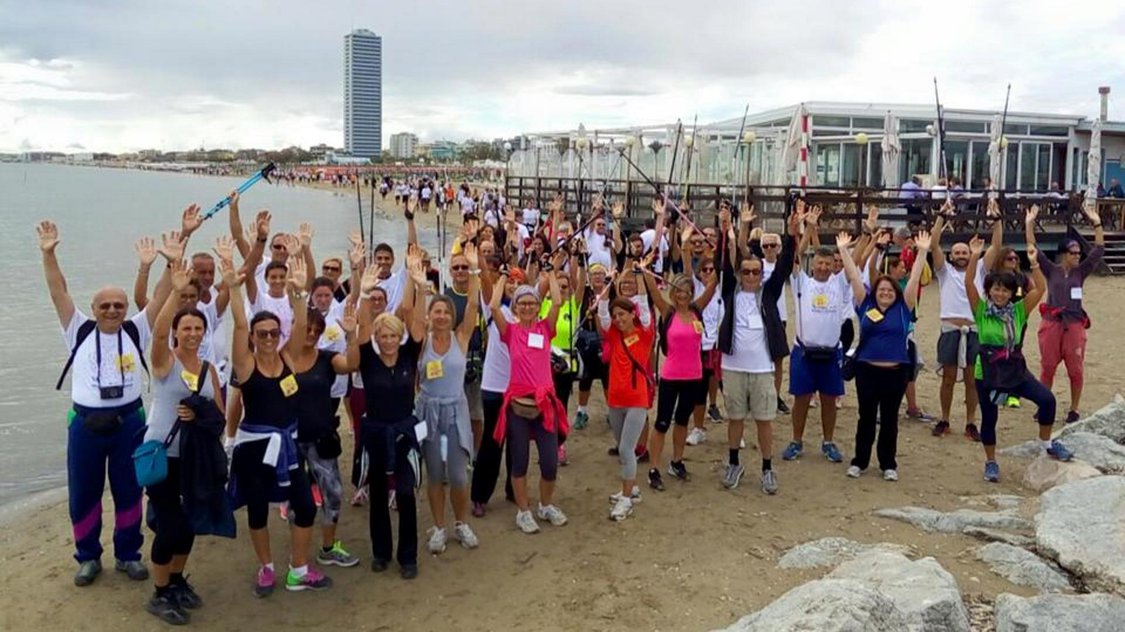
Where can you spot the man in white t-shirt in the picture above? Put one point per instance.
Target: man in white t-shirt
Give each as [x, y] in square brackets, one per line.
[530, 214]
[394, 283]
[106, 422]
[601, 246]
[771, 250]
[957, 346]
[821, 300]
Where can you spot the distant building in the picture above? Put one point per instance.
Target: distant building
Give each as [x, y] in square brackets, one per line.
[444, 150]
[149, 154]
[403, 145]
[363, 93]
[320, 151]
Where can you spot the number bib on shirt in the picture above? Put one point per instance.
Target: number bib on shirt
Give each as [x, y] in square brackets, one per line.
[535, 341]
[632, 340]
[434, 370]
[874, 315]
[289, 385]
[191, 380]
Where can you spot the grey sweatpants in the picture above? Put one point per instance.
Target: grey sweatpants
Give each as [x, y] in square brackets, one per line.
[454, 468]
[627, 425]
[326, 474]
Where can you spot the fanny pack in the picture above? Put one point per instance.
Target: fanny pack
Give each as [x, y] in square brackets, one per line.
[102, 422]
[818, 354]
[524, 410]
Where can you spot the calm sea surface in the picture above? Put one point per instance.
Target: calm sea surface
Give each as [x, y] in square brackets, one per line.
[100, 213]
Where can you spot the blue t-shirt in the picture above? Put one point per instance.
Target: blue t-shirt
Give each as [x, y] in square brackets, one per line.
[882, 334]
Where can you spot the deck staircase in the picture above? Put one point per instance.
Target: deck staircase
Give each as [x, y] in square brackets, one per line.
[1114, 261]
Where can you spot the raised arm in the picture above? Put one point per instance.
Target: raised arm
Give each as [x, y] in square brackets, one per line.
[368, 285]
[56, 283]
[910, 294]
[242, 358]
[997, 242]
[161, 354]
[746, 218]
[1096, 220]
[497, 300]
[556, 299]
[472, 306]
[236, 230]
[343, 363]
[416, 325]
[298, 296]
[172, 250]
[685, 253]
[250, 267]
[976, 247]
[411, 229]
[305, 235]
[811, 220]
[843, 242]
[1038, 282]
[935, 237]
[146, 254]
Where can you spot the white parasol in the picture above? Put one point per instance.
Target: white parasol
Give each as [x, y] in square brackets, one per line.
[1094, 163]
[891, 147]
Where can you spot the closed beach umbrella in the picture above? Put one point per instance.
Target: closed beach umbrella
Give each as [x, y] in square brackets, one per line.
[795, 155]
[891, 149]
[995, 153]
[1094, 163]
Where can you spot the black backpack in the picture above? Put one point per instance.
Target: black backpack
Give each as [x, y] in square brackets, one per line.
[87, 328]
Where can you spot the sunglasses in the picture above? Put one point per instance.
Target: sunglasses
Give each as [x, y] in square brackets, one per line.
[770, 245]
[1074, 252]
[278, 247]
[266, 334]
[330, 268]
[1012, 258]
[707, 269]
[105, 306]
[755, 272]
[458, 268]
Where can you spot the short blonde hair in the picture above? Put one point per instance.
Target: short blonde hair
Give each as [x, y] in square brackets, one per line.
[388, 321]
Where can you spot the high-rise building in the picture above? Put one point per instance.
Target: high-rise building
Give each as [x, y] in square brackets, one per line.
[403, 145]
[363, 93]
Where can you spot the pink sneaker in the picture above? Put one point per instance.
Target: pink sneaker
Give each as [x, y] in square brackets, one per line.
[264, 587]
[562, 456]
[311, 580]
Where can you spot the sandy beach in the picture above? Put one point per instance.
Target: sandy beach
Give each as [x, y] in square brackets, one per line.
[694, 557]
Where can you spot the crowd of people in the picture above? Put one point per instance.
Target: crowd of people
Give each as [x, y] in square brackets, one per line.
[445, 383]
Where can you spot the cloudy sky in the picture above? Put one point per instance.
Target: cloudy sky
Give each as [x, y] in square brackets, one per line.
[121, 75]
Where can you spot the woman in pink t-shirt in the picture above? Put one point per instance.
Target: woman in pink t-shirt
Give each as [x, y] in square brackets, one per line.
[531, 410]
[681, 375]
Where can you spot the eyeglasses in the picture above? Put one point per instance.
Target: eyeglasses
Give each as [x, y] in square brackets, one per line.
[771, 245]
[117, 306]
[330, 268]
[265, 334]
[278, 247]
[459, 268]
[707, 269]
[754, 272]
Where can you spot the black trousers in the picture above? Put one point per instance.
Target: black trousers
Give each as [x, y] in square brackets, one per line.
[174, 533]
[487, 469]
[374, 437]
[880, 391]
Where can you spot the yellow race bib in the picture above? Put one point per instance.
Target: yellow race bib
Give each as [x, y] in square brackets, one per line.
[698, 326]
[289, 385]
[434, 370]
[874, 315]
[190, 379]
[632, 340]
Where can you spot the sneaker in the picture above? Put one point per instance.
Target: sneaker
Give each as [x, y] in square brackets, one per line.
[185, 595]
[992, 471]
[733, 475]
[562, 456]
[792, 451]
[1013, 402]
[854, 471]
[359, 499]
[643, 457]
[1059, 451]
[581, 419]
[378, 565]
[134, 569]
[839, 402]
[714, 415]
[1072, 417]
[526, 523]
[622, 509]
[654, 480]
[311, 580]
[479, 509]
[782, 407]
[437, 540]
[337, 556]
[88, 571]
[831, 452]
[463, 533]
[940, 428]
[769, 482]
[264, 587]
[696, 436]
[409, 571]
[890, 475]
[635, 496]
[679, 470]
[552, 514]
[918, 414]
[165, 608]
[971, 432]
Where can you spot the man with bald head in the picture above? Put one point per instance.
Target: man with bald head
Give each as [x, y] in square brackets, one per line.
[106, 422]
[957, 347]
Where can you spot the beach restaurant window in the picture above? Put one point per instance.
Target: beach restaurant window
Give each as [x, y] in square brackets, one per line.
[1035, 166]
[875, 165]
[861, 122]
[980, 164]
[913, 125]
[1049, 130]
[957, 159]
[966, 127]
[915, 158]
[1011, 167]
[820, 120]
[828, 164]
[850, 165]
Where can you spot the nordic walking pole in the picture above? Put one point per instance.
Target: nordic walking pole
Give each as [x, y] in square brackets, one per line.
[371, 216]
[263, 173]
[359, 209]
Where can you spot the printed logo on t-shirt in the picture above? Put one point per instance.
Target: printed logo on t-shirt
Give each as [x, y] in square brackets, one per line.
[434, 370]
[332, 334]
[820, 301]
[126, 363]
[289, 385]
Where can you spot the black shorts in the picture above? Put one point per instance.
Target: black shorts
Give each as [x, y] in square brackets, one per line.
[948, 346]
[675, 401]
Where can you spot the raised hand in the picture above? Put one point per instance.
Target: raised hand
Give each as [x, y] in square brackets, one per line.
[812, 218]
[369, 281]
[993, 209]
[48, 235]
[685, 234]
[471, 254]
[411, 205]
[146, 251]
[883, 239]
[231, 277]
[947, 208]
[262, 223]
[355, 237]
[224, 248]
[1032, 214]
[724, 215]
[923, 240]
[598, 205]
[746, 213]
[190, 221]
[872, 221]
[657, 206]
[292, 244]
[305, 234]
[618, 210]
[297, 274]
[976, 245]
[843, 241]
[181, 275]
[348, 321]
[417, 270]
[234, 197]
[173, 248]
[357, 255]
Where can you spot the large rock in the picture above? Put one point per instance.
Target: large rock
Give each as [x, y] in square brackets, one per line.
[831, 551]
[827, 605]
[924, 591]
[1044, 473]
[1081, 525]
[1022, 567]
[1060, 613]
[1107, 422]
[995, 535]
[955, 521]
[1097, 450]
[1025, 450]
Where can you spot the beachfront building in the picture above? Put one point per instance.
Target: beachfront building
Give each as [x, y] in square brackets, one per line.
[846, 145]
[403, 145]
[363, 94]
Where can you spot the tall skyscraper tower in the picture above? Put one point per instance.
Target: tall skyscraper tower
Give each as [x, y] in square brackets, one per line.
[363, 93]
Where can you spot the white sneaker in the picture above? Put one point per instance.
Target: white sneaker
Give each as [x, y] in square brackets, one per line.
[526, 523]
[438, 538]
[890, 475]
[636, 496]
[464, 534]
[854, 471]
[552, 514]
[696, 436]
[621, 510]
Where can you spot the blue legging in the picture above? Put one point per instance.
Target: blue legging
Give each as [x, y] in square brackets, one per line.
[1031, 389]
[87, 456]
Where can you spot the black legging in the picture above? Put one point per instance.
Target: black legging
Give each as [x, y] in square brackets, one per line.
[880, 391]
[847, 334]
[257, 480]
[174, 534]
[486, 471]
[379, 517]
[564, 384]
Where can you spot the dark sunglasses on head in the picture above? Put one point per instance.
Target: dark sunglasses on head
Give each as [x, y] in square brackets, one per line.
[114, 305]
[754, 272]
[263, 334]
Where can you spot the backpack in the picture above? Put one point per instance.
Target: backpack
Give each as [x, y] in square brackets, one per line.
[87, 328]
